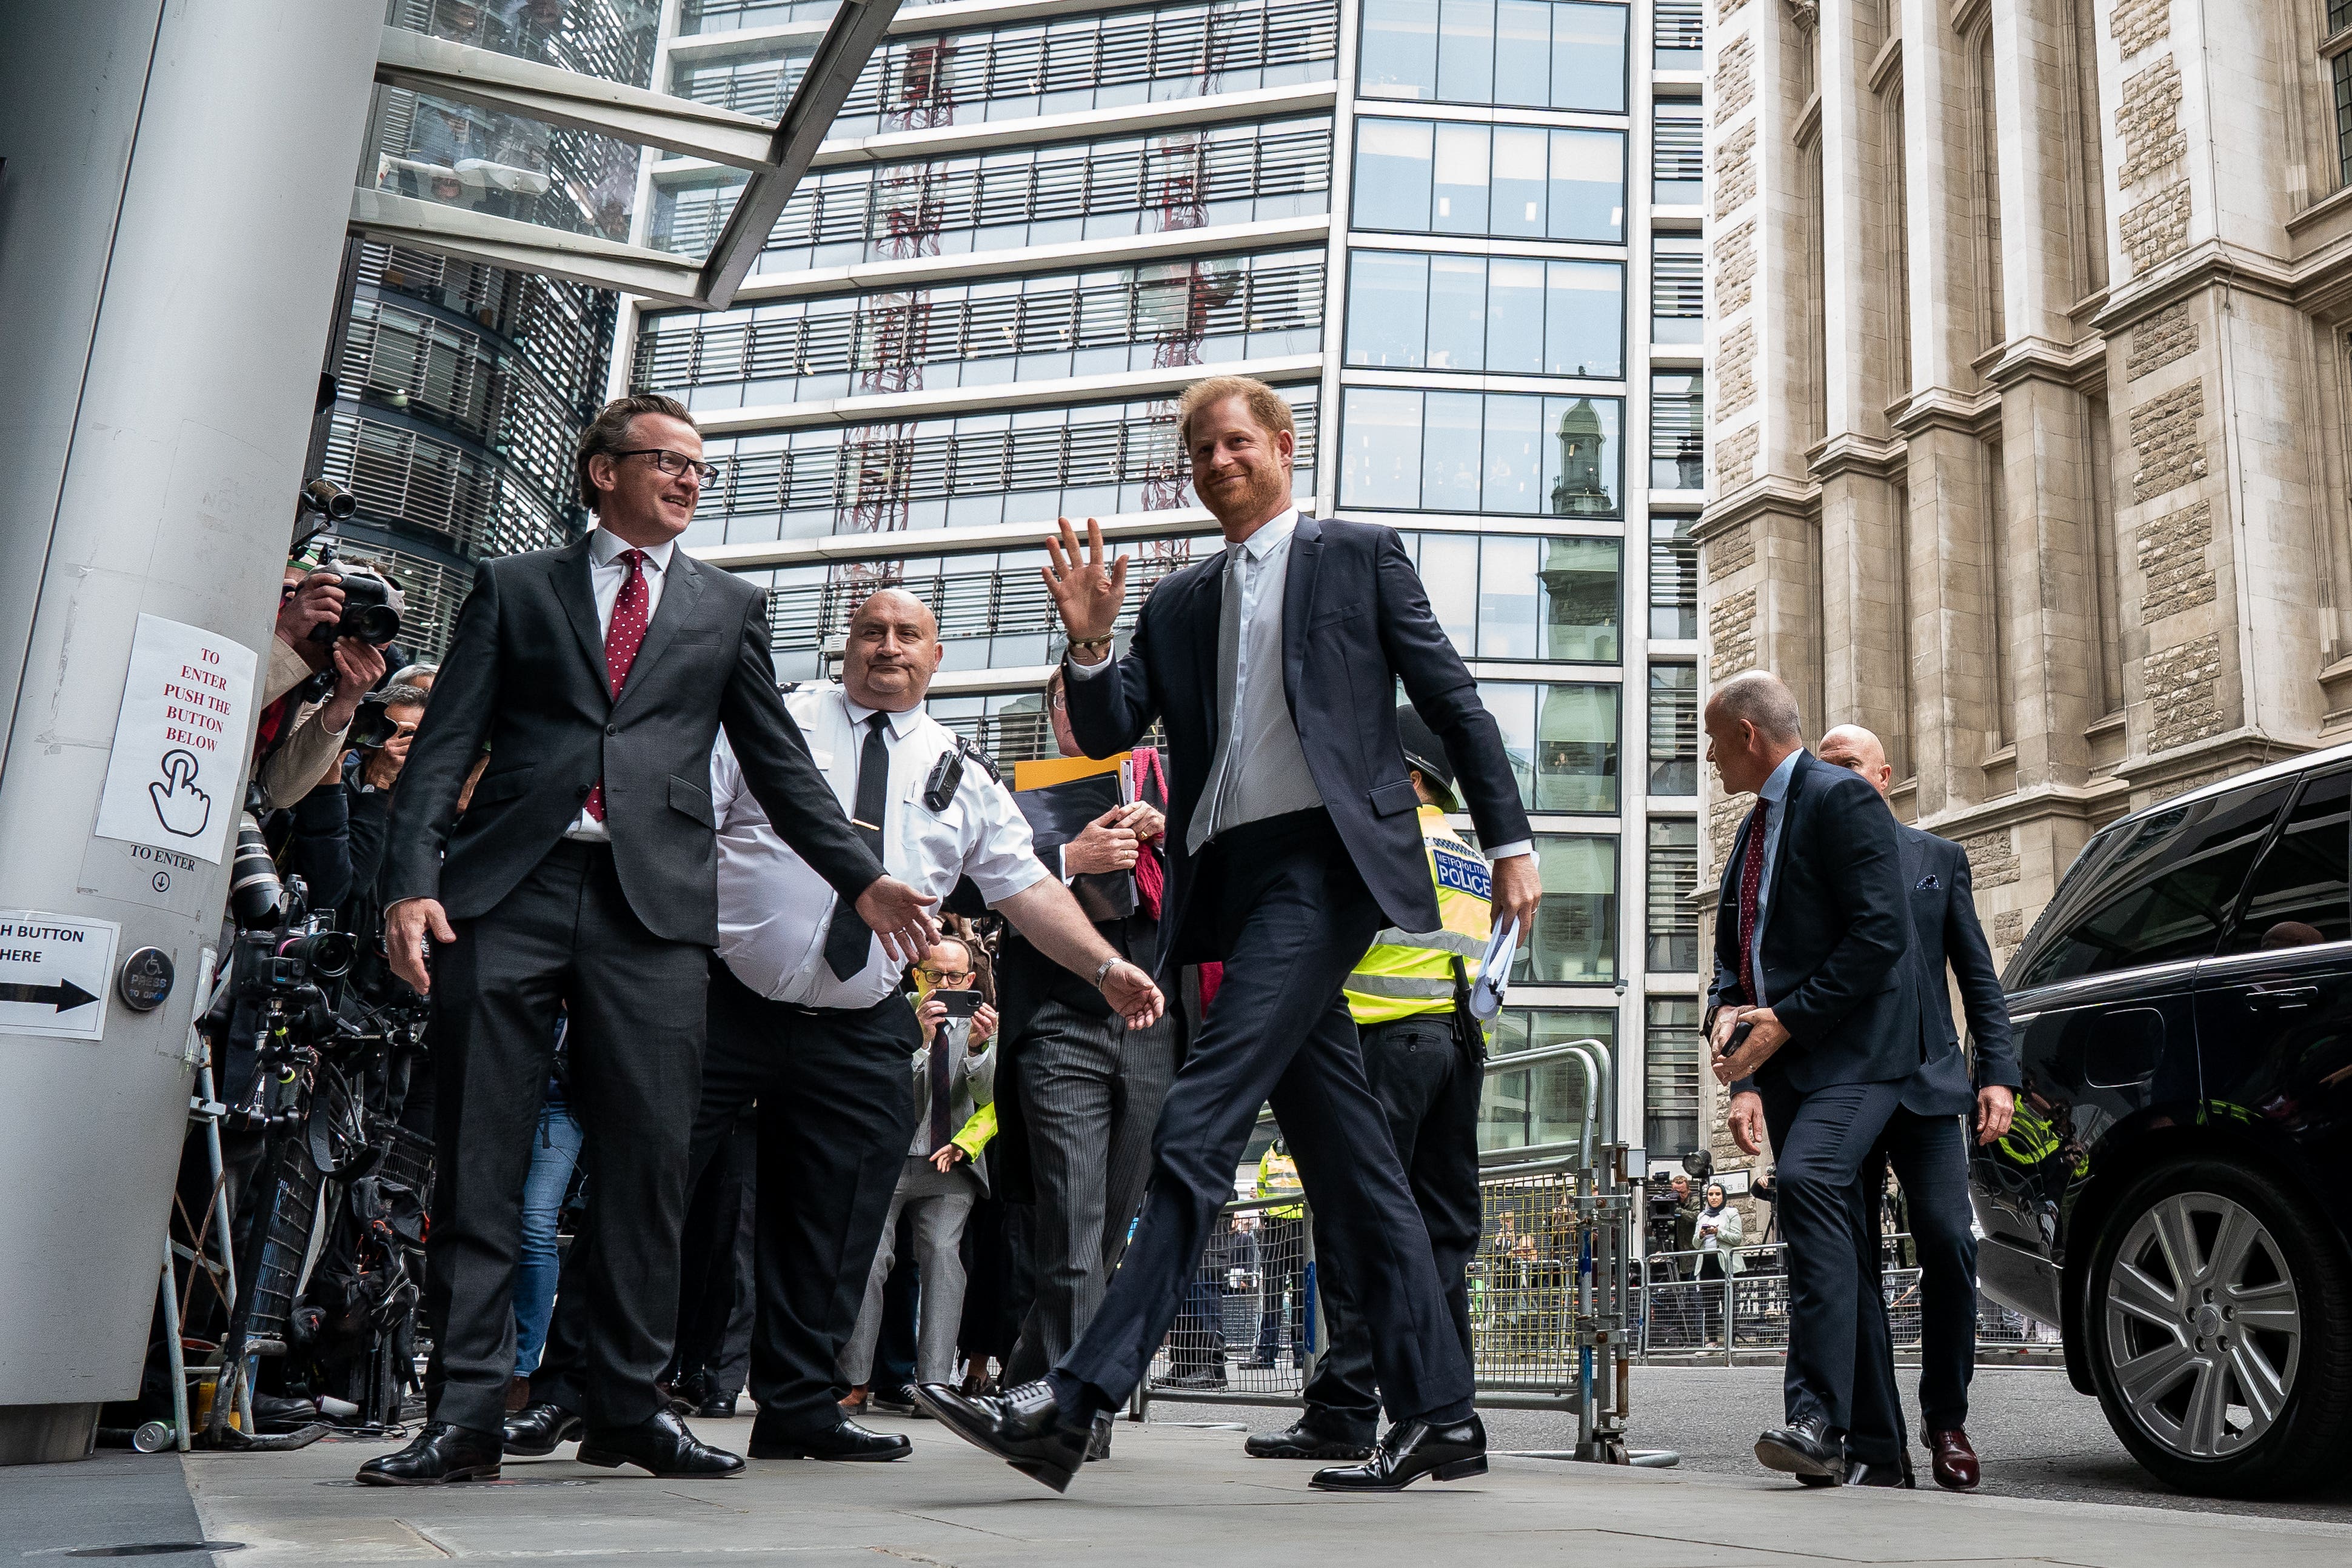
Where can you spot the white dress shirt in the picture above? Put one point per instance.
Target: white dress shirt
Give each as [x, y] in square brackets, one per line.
[1262, 562]
[606, 572]
[774, 911]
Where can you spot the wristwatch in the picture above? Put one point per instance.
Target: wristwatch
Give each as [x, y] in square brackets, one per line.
[1105, 968]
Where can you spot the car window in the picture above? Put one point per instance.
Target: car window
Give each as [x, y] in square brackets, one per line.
[2166, 891]
[2297, 897]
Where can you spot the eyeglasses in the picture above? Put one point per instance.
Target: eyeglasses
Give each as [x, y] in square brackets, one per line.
[675, 463]
[943, 976]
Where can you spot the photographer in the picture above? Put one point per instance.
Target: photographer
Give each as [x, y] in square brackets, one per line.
[315, 683]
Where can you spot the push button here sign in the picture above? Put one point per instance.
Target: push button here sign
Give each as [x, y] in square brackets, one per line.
[53, 974]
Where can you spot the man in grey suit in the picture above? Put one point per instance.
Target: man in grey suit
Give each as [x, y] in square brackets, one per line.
[1924, 1139]
[583, 876]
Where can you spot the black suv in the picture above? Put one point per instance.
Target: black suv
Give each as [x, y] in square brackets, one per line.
[2172, 1192]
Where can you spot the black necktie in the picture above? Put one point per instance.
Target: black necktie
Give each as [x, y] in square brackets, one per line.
[847, 941]
[939, 1067]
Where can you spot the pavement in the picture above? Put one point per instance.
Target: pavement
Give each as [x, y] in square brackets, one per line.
[1178, 1491]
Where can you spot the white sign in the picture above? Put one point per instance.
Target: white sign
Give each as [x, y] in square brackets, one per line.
[55, 974]
[179, 745]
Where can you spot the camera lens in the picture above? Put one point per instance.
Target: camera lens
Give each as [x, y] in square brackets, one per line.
[378, 623]
[371, 726]
[328, 953]
[255, 894]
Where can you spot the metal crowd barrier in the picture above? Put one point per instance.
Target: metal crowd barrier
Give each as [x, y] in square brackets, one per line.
[1554, 1292]
[1684, 1317]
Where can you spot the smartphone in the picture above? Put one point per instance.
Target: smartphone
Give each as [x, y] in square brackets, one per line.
[959, 1004]
[1739, 1034]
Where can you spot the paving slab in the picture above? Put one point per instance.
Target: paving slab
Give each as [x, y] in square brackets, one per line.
[1176, 1495]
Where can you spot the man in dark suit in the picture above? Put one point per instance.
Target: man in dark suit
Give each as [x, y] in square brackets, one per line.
[1078, 1092]
[583, 876]
[1812, 941]
[1924, 1138]
[1292, 839]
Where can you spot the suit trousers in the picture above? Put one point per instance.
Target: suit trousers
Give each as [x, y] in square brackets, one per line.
[564, 938]
[937, 1203]
[716, 1291]
[1428, 1087]
[1841, 1365]
[1931, 1156]
[837, 1111]
[1091, 1090]
[1292, 916]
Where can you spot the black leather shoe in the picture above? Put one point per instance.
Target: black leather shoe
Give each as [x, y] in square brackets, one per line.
[441, 1453]
[660, 1443]
[716, 1406]
[847, 1441]
[1194, 1380]
[1863, 1473]
[1098, 1437]
[1804, 1449]
[1309, 1439]
[537, 1430]
[1409, 1450]
[1023, 1426]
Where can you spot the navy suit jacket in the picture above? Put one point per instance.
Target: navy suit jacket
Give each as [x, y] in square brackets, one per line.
[1355, 622]
[1837, 936]
[1945, 931]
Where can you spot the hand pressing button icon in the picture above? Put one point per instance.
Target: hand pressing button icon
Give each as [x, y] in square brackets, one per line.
[180, 805]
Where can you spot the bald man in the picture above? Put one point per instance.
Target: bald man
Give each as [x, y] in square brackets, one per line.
[807, 1020]
[1817, 1024]
[1924, 1138]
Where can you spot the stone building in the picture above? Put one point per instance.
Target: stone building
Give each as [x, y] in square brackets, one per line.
[2027, 323]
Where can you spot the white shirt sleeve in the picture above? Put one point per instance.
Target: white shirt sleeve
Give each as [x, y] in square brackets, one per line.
[1002, 859]
[1515, 847]
[726, 781]
[1086, 672]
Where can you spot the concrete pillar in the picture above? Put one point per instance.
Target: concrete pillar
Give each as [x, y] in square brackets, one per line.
[179, 174]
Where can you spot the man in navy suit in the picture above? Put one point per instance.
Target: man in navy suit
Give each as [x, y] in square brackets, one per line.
[1817, 1026]
[1294, 839]
[1924, 1137]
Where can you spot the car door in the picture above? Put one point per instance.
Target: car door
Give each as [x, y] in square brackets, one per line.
[2274, 1003]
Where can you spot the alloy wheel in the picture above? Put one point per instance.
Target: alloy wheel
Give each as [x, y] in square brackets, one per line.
[2204, 1327]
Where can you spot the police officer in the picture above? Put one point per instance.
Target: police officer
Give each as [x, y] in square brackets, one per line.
[1282, 1257]
[1426, 1059]
[807, 1019]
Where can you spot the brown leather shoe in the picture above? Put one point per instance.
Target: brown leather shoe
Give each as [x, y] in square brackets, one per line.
[1955, 1461]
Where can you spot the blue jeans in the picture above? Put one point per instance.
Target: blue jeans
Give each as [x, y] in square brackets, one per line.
[553, 1152]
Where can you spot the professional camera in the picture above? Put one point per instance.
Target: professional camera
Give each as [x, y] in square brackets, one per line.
[371, 726]
[326, 499]
[368, 615]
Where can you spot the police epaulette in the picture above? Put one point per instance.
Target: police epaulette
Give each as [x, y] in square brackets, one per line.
[977, 755]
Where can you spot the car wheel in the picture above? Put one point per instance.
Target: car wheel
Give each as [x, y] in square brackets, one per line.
[2215, 1336]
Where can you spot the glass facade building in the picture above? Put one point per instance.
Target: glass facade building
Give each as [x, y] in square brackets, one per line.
[1421, 220]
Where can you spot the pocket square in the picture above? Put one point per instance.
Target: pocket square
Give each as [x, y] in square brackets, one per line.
[1927, 883]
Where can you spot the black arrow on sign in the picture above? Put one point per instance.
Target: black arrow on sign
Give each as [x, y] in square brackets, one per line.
[65, 994]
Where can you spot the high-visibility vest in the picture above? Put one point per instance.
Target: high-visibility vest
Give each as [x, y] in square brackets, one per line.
[1407, 973]
[1278, 1173]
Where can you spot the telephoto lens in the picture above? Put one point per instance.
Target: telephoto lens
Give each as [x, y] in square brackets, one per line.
[328, 953]
[256, 896]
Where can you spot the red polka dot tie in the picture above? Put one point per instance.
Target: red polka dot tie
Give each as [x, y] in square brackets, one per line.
[621, 640]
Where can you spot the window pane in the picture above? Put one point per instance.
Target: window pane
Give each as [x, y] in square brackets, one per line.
[2297, 897]
[1582, 460]
[1674, 729]
[1457, 308]
[1515, 316]
[1587, 58]
[1519, 186]
[2162, 896]
[1532, 1028]
[1587, 185]
[1584, 315]
[1449, 570]
[1460, 181]
[1509, 599]
[1514, 707]
[1673, 578]
[1449, 451]
[1388, 303]
[1575, 937]
[1523, 54]
[1466, 51]
[1400, 48]
[1381, 466]
[1392, 175]
[1671, 1061]
[1514, 455]
[1576, 762]
[1671, 920]
[1581, 594]
[1678, 406]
